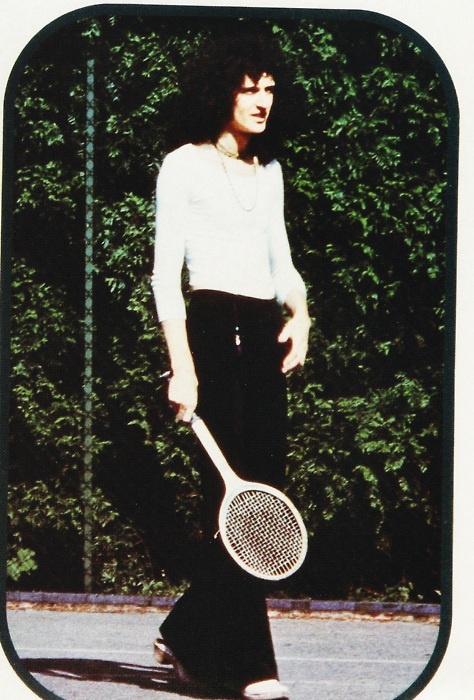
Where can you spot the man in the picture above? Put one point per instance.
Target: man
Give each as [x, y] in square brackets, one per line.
[220, 211]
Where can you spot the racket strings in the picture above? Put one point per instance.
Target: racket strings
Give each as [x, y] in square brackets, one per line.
[264, 533]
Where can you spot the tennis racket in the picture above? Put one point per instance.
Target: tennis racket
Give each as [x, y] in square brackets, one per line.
[259, 526]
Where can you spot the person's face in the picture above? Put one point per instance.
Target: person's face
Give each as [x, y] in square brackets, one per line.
[252, 105]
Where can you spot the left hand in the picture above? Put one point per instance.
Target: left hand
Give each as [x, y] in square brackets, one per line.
[295, 330]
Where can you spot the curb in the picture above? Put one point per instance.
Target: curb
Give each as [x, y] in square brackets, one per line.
[282, 605]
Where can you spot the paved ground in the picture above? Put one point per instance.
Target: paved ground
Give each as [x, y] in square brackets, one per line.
[97, 655]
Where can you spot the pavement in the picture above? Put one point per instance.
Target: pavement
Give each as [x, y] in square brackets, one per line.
[96, 652]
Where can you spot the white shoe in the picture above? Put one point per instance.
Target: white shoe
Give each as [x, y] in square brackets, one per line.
[164, 656]
[266, 690]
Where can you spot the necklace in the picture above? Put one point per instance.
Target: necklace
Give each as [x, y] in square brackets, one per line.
[225, 151]
[234, 191]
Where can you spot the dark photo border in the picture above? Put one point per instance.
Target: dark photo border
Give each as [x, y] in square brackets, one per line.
[325, 15]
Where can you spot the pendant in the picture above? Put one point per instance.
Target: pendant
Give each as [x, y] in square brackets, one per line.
[237, 339]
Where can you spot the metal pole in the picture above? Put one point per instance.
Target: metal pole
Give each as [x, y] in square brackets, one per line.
[88, 325]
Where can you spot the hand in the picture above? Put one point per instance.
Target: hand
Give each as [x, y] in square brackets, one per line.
[297, 331]
[183, 395]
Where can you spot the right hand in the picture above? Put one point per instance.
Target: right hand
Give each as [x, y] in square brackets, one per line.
[183, 394]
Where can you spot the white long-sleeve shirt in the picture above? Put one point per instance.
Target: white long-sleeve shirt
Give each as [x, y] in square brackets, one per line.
[201, 222]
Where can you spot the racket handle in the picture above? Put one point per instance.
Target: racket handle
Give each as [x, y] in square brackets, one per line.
[213, 450]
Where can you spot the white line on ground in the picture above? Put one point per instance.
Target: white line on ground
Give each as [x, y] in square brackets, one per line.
[326, 660]
[128, 653]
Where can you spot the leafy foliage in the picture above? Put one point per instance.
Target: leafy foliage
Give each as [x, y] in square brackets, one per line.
[366, 210]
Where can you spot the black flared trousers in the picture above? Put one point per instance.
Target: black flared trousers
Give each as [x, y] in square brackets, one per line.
[219, 628]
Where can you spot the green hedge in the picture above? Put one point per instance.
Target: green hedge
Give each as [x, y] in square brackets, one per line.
[366, 202]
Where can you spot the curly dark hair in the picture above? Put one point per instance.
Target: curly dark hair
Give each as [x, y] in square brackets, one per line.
[209, 81]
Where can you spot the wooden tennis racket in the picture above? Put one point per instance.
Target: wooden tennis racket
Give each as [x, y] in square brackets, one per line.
[259, 526]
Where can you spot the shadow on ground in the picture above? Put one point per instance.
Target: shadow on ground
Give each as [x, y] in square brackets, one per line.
[99, 671]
